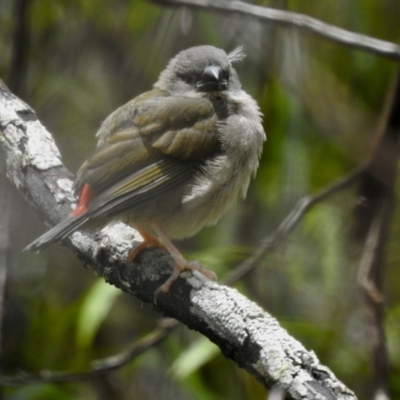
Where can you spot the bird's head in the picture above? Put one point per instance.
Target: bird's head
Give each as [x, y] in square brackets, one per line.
[201, 69]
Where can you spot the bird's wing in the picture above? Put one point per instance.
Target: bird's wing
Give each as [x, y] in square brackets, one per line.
[179, 126]
[148, 146]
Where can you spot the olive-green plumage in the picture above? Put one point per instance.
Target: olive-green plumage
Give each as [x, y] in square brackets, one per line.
[177, 157]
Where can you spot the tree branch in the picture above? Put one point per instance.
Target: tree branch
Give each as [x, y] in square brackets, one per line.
[99, 367]
[295, 20]
[290, 222]
[244, 332]
[370, 276]
[373, 216]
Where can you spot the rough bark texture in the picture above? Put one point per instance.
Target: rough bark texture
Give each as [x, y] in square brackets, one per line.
[245, 333]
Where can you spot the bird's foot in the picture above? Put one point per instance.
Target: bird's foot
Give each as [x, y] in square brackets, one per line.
[147, 242]
[180, 266]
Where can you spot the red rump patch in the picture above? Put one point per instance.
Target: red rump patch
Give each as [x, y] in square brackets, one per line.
[85, 197]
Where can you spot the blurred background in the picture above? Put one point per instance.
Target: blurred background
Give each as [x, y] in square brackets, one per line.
[74, 62]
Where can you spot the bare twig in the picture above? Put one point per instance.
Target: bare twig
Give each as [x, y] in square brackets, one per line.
[139, 347]
[290, 222]
[373, 215]
[370, 278]
[295, 20]
[99, 367]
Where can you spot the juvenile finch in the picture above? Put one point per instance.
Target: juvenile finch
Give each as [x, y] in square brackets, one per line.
[173, 159]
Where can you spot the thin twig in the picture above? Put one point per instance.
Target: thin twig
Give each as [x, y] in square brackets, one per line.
[98, 367]
[370, 281]
[374, 215]
[290, 222]
[295, 20]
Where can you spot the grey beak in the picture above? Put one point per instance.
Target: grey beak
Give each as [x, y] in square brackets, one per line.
[212, 73]
[212, 79]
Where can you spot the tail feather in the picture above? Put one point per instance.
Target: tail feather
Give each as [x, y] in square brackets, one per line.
[59, 232]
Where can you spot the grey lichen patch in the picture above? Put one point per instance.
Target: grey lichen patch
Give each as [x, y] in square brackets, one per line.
[64, 192]
[41, 151]
[217, 306]
[85, 244]
[274, 355]
[118, 238]
[9, 140]
[30, 143]
[279, 357]
[320, 390]
[155, 264]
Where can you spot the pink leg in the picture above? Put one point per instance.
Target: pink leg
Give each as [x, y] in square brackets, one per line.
[180, 263]
[148, 240]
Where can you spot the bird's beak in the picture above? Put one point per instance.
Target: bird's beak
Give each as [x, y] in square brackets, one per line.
[212, 79]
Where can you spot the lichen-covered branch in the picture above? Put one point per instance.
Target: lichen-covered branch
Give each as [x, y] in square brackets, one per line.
[244, 332]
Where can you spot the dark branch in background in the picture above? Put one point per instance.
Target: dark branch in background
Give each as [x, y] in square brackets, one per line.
[378, 179]
[5, 246]
[99, 367]
[244, 332]
[373, 214]
[290, 222]
[20, 48]
[370, 280]
[17, 78]
[295, 20]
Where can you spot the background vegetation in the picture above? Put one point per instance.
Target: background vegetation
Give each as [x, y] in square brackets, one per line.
[321, 102]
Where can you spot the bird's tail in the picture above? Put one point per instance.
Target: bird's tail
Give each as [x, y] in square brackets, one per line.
[59, 232]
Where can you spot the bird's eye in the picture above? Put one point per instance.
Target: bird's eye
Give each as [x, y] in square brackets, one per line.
[190, 79]
[225, 75]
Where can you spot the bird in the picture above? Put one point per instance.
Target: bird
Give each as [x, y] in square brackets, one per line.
[174, 159]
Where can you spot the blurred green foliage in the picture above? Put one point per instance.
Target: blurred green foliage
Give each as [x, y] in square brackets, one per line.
[321, 104]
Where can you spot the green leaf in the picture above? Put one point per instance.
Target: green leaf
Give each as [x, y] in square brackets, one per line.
[95, 308]
[198, 354]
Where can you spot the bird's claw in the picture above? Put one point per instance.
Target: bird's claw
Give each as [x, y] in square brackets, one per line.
[189, 265]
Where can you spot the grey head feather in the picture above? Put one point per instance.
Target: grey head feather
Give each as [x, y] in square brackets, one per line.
[237, 55]
[186, 68]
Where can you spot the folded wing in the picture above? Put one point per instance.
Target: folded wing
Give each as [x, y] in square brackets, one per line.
[147, 147]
